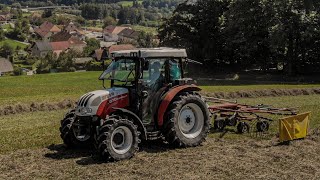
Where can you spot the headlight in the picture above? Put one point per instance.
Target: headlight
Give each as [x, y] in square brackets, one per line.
[85, 110]
[96, 101]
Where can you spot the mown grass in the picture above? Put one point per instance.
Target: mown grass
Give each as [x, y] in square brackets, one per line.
[41, 129]
[29, 130]
[61, 86]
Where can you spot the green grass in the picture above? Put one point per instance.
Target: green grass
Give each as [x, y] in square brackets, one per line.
[60, 86]
[13, 43]
[7, 27]
[47, 87]
[128, 3]
[151, 30]
[40, 129]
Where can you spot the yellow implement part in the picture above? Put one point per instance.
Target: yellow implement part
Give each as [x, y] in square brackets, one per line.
[294, 127]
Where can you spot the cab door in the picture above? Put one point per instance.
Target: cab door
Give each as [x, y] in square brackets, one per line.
[153, 80]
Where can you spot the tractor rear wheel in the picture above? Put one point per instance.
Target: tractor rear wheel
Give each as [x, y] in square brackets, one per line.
[71, 135]
[118, 139]
[188, 121]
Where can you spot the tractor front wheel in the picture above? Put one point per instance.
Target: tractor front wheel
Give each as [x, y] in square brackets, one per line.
[188, 121]
[72, 135]
[118, 139]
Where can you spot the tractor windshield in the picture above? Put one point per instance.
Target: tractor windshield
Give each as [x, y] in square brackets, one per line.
[121, 71]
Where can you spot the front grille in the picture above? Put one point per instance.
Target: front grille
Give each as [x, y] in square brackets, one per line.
[85, 99]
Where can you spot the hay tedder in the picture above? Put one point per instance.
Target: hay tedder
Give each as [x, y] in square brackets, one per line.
[150, 99]
[228, 113]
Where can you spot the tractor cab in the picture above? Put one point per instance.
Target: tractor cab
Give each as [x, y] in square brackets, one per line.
[147, 74]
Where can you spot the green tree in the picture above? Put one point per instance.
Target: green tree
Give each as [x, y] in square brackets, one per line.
[6, 50]
[109, 21]
[92, 45]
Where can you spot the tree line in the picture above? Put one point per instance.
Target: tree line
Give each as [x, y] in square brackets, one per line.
[243, 34]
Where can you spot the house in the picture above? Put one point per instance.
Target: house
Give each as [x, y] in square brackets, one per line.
[114, 29]
[110, 33]
[74, 41]
[76, 44]
[128, 35]
[40, 48]
[72, 29]
[5, 66]
[59, 47]
[100, 54]
[46, 30]
[120, 47]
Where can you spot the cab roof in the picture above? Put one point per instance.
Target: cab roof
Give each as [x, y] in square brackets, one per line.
[151, 53]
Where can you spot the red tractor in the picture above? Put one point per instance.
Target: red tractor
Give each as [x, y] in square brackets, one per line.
[149, 99]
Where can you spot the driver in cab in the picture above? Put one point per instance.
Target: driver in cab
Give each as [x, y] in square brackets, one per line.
[156, 78]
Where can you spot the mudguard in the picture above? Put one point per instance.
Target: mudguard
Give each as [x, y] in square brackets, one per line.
[169, 97]
[136, 119]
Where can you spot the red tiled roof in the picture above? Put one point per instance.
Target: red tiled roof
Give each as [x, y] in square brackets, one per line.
[75, 41]
[61, 36]
[63, 45]
[121, 47]
[114, 29]
[45, 28]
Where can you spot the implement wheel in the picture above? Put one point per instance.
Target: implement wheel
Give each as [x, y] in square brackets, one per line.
[263, 126]
[243, 127]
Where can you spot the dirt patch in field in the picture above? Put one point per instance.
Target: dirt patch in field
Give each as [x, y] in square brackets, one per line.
[216, 159]
[20, 108]
[263, 93]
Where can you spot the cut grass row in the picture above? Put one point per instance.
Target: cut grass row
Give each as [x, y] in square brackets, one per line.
[41, 129]
[61, 86]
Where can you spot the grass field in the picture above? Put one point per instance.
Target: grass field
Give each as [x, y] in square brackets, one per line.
[128, 3]
[151, 30]
[13, 43]
[61, 86]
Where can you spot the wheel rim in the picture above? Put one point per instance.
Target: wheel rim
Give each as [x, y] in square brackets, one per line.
[191, 120]
[122, 140]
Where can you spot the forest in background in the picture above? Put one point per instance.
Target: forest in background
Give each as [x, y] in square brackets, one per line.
[246, 34]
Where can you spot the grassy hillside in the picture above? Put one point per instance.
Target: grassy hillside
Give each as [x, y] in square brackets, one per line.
[13, 43]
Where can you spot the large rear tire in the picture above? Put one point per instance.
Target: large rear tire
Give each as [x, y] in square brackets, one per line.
[118, 139]
[68, 133]
[188, 121]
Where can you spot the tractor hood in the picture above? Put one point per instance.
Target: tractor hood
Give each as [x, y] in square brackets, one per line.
[89, 103]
